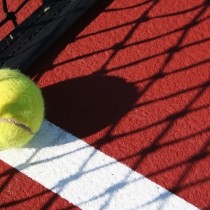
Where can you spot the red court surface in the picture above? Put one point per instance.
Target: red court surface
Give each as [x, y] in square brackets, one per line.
[131, 79]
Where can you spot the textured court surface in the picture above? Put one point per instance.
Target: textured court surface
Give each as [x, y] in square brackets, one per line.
[129, 92]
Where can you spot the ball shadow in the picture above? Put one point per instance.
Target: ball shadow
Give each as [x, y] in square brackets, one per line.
[85, 105]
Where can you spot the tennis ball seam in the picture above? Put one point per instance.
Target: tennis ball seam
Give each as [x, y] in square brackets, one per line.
[17, 123]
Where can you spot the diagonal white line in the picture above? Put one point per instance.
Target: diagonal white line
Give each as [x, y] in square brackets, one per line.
[87, 177]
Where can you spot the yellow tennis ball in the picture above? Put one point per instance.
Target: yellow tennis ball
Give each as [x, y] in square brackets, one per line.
[21, 109]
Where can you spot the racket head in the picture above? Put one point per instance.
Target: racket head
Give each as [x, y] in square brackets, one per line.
[27, 40]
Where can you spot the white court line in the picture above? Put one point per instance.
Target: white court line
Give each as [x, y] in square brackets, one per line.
[87, 177]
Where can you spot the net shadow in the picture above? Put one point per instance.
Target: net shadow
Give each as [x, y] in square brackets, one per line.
[89, 90]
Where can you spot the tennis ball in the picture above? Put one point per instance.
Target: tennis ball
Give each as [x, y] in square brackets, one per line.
[21, 109]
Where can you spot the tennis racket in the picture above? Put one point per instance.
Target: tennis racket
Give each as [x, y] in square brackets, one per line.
[25, 40]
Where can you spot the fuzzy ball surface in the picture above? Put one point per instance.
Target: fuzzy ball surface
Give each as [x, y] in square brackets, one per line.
[21, 109]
